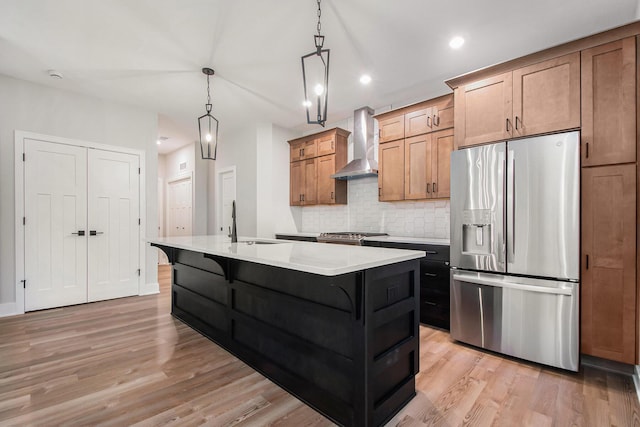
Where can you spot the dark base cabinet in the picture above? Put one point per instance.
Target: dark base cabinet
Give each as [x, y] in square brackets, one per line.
[346, 345]
[434, 281]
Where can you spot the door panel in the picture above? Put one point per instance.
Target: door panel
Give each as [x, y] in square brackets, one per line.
[543, 206]
[391, 168]
[326, 184]
[55, 206]
[477, 208]
[180, 207]
[546, 96]
[417, 174]
[113, 240]
[442, 143]
[609, 262]
[609, 103]
[482, 110]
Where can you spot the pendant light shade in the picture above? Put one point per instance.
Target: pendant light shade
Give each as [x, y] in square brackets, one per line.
[315, 78]
[208, 126]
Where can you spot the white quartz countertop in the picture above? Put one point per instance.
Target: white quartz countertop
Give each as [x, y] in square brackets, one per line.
[323, 259]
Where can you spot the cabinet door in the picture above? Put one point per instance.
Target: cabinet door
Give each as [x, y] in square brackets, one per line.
[609, 262]
[442, 143]
[309, 149]
[391, 128]
[296, 183]
[391, 171]
[310, 194]
[442, 114]
[326, 145]
[296, 151]
[483, 111]
[418, 122]
[417, 167]
[546, 96]
[326, 184]
[609, 103]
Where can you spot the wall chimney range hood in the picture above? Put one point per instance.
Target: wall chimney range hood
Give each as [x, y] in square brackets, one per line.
[363, 163]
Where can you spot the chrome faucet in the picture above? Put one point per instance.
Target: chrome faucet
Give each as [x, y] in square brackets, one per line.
[234, 232]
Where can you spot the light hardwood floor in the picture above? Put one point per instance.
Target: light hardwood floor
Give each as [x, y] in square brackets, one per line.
[128, 362]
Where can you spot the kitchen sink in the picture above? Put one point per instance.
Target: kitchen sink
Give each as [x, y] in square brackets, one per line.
[257, 242]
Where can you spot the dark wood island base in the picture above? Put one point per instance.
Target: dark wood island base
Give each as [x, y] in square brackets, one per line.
[347, 345]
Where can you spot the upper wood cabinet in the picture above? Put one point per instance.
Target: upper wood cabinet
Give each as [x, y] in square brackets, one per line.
[540, 98]
[417, 119]
[608, 298]
[416, 165]
[609, 103]
[427, 165]
[391, 171]
[303, 182]
[314, 158]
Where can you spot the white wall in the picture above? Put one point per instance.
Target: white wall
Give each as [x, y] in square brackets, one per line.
[34, 108]
[239, 148]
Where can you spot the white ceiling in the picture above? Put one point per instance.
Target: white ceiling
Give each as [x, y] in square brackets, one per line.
[149, 53]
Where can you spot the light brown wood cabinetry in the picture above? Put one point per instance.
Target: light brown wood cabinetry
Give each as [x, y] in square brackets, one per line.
[424, 131]
[391, 171]
[609, 103]
[536, 99]
[427, 165]
[391, 128]
[303, 182]
[330, 191]
[609, 262]
[314, 158]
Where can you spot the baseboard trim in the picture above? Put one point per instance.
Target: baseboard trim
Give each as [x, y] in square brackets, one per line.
[150, 289]
[10, 309]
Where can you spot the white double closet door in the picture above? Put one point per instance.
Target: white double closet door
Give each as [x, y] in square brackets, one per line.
[82, 224]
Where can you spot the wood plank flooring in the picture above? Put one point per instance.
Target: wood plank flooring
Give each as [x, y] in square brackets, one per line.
[128, 362]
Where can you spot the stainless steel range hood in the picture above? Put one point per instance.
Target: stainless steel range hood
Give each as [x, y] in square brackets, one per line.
[363, 163]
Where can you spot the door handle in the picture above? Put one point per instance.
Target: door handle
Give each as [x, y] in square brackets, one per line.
[79, 233]
[94, 232]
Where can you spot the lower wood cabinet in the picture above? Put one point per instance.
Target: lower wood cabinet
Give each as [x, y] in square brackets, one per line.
[608, 301]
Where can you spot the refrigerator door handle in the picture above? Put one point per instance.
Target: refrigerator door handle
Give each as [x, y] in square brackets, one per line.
[510, 285]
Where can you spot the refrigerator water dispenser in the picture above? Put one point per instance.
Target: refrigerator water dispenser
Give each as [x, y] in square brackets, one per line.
[477, 232]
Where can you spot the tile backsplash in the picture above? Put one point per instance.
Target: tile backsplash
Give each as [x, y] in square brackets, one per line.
[365, 213]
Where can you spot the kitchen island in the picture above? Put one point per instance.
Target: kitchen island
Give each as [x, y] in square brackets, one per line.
[337, 326]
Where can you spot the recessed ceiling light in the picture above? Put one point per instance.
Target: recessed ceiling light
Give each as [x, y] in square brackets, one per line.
[365, 79]
[456, 42]
[161, 139]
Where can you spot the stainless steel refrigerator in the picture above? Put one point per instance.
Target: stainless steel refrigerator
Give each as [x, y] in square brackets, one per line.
[515, 227]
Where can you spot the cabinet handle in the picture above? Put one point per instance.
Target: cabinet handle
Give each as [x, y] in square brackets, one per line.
[587, 262]
[303, 152]
[332, 195]
[379, 191]
[508, 125]
[436, 123]
[299, 197]
[379, 133]
[587, 147]
[517, 122]
[428, 187]
[430, 274]
[79, 233]
[434, 188]
[429, 121]
[430, 303]
[303, 197]
[431, 252]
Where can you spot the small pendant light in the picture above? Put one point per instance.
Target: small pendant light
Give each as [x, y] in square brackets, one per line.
[208, 126]
[315, 77]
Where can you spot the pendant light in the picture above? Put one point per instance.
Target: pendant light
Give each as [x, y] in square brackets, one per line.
[315, 77]
[208, 126]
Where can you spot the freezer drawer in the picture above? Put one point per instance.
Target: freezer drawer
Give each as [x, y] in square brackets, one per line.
[532, 319]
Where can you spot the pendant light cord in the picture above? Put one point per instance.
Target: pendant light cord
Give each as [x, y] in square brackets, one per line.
[319, 15]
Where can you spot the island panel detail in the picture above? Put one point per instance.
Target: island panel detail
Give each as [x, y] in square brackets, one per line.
[347, 345]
